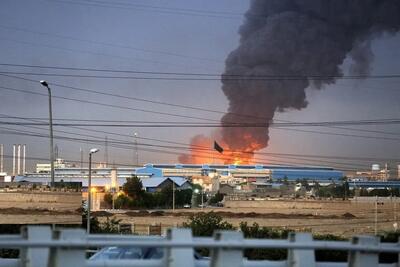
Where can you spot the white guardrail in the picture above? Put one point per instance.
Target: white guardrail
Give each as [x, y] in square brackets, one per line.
[41, 247]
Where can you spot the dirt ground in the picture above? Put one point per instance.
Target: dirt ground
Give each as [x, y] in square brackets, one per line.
[35, 207]
[326, 217]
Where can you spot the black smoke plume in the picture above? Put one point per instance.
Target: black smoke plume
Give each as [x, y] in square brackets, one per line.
[304, 42]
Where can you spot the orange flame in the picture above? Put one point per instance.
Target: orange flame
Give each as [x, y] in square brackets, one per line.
[202, 151]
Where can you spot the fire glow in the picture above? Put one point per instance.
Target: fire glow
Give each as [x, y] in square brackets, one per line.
[202, 151]
[278, 59]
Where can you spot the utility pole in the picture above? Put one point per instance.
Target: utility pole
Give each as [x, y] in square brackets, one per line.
[395, 211]
[376, 216]
[81, 150]
[13, 171]
[45, 84]
[173, 195]
[89, 188]
[106, 152]
[1, 158]
[376, 213]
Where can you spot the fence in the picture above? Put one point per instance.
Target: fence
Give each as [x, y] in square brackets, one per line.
[142, 229]
[41, 247]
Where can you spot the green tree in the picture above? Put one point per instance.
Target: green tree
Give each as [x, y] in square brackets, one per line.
[255, 231]
[123, 202]
[108, 198]
[94, 222]
[183, 197]
[166, 193]
[204, 224]
[330, 255]
[110, 226]
[218, 197]
[133, 188]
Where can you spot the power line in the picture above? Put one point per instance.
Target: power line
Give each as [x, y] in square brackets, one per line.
[205, 154]
[123, 46]
[147, 9]
[91, 52]
[217, 75]
[198, 149]
[207, 150]
[68, 160]
[196, 108]
[225, 79]
[176, 115]
[173, 122]
[160, 124]
[105, 104]
[140, 99]
[191, 10]
[196, 146]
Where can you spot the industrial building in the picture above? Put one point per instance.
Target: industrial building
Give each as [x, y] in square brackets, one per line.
[210, 177]
[238, 173]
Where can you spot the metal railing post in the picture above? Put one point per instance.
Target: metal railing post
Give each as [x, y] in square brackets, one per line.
[221, 257]
[361, 258]
[36, 257]
[178, 257]
[301, 257]
[39, 246]
[69, 257]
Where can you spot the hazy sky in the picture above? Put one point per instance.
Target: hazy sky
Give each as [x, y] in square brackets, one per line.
[132, 36]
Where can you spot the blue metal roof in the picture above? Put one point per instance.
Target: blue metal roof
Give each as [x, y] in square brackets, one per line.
[101, 182]
[374, 184]
[153, 182]
[155, 172]
[309, 174]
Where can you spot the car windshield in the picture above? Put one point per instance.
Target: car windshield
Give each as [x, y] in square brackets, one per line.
[109, 253]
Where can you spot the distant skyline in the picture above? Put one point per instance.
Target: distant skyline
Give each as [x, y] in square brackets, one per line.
[169, 36]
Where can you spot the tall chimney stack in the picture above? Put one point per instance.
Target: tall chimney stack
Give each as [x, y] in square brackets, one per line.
[19, 160]
[1, 158]
[24, 160]
[13, 172]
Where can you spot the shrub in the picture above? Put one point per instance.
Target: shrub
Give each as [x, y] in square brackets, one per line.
[204, 224]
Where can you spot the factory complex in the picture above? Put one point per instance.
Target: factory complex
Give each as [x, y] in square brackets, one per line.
[208, 176]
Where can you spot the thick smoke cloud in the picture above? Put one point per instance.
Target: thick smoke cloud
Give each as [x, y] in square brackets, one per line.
[292, 38]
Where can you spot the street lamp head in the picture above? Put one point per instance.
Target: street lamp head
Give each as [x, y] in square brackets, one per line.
[196, 190]
[44, 83]
[94, 150]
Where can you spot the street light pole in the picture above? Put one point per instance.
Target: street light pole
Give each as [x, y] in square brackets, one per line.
[173, 195]
[89, 190]
[45, 84]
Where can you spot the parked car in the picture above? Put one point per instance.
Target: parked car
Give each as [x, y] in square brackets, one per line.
[187, 206]
[110, 253]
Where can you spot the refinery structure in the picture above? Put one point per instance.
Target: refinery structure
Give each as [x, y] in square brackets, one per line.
[209, 176]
